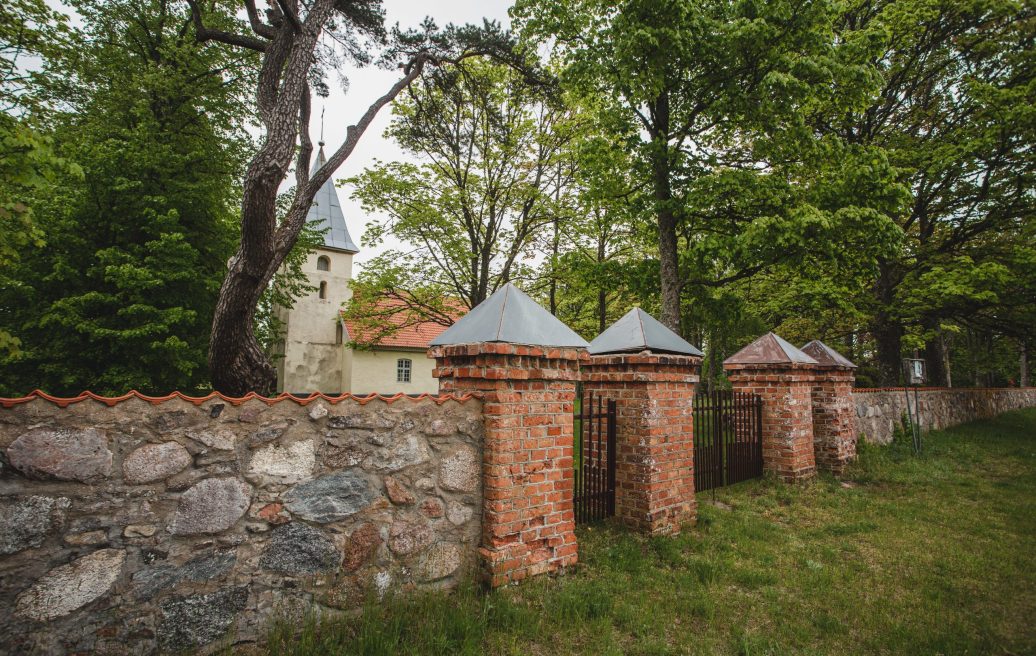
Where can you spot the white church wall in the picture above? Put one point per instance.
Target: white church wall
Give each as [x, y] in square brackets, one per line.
[375, 371]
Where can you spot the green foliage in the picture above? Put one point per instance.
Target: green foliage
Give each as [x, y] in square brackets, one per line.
[28, 163]
[713, 109]
[123, 294]
[489, 173]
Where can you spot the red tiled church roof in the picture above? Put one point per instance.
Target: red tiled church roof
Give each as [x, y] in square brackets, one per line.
[418, 335]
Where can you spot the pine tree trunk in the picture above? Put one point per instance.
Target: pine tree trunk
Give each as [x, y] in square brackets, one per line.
[236, 361]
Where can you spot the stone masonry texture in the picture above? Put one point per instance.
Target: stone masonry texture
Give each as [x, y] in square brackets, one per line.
[878, 412]
[143, 528]
[786, 393]
[528, 394]
[654, 468]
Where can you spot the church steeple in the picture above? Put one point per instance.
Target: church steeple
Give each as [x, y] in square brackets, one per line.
[326, 210]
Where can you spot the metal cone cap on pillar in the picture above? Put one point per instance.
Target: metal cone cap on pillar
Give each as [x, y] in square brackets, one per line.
[825, 355]
[512, 317]
[771, 348]
[638, 331]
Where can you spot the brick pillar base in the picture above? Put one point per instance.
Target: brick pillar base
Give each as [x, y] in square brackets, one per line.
[528, 518]
[834, 433]
[786, 392]
[654, 397]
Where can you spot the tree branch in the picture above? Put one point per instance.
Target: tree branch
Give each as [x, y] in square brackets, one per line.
[203, 33]
[290, 14]
[258, 26]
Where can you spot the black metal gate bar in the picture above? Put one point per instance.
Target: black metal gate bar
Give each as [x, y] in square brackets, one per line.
[727, 438]
[595, 459]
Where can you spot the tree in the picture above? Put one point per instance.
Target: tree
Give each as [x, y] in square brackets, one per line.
[490, 180]
[28, 163]
[954, 117]
[709, 99]
[293, 60]
[121, 296]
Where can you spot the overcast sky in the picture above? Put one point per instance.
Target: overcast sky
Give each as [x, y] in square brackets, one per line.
[365, 85]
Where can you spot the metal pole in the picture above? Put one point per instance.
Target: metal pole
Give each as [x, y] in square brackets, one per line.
[917, 409]
[910, 416]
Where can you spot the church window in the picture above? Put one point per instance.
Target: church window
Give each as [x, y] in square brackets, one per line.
[323, 263]
[403, 370]
[323, 289]
[338, 333]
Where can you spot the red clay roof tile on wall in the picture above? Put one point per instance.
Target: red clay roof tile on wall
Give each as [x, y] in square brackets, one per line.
[232, 400]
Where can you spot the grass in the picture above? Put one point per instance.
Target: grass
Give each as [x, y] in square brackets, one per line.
[933, 554]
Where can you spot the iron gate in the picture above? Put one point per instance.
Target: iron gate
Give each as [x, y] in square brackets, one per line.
[594, 459]
[728, 438]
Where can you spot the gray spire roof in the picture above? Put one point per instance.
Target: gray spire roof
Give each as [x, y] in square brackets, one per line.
[826, 355]
[510, 316]
[638, 331]
[326, 211]
[771, 348]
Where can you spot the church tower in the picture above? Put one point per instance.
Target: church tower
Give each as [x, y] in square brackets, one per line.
[314, 359]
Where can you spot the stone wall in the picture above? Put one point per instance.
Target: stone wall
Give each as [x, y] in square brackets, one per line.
[142, 527]
[879, 411]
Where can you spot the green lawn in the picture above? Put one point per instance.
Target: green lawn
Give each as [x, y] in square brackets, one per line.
[912, 555]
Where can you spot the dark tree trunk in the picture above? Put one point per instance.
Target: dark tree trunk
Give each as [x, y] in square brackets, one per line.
[1023, 366]
[710, 381]
[554, 271]
[602, 293]
[668, 255]
[935, 357]
[887, 331]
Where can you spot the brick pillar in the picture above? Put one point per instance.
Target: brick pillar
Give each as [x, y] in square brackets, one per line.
[528, 518]
[834, 432]
[786, 392]
[654, 395]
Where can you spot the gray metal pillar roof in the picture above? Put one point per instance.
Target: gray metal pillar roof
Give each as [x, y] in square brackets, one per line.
[771, 348]
[638, 331]
[826, 355]
[510, 316]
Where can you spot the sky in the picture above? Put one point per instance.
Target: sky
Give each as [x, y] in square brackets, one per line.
[367, 84]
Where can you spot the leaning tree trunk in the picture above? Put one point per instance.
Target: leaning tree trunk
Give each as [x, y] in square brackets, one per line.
[236, 361]
[287, 45]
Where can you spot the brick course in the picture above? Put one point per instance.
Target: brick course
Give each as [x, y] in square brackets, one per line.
[654, 397]
[528, 518]
[834, 418]
[786, 392]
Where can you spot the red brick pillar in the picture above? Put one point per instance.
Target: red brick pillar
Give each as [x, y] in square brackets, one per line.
[834, 434]
[528, 518]
[786, 392]
[654, 395]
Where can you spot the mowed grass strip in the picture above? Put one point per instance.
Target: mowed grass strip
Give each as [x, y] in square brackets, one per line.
[933, 554]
